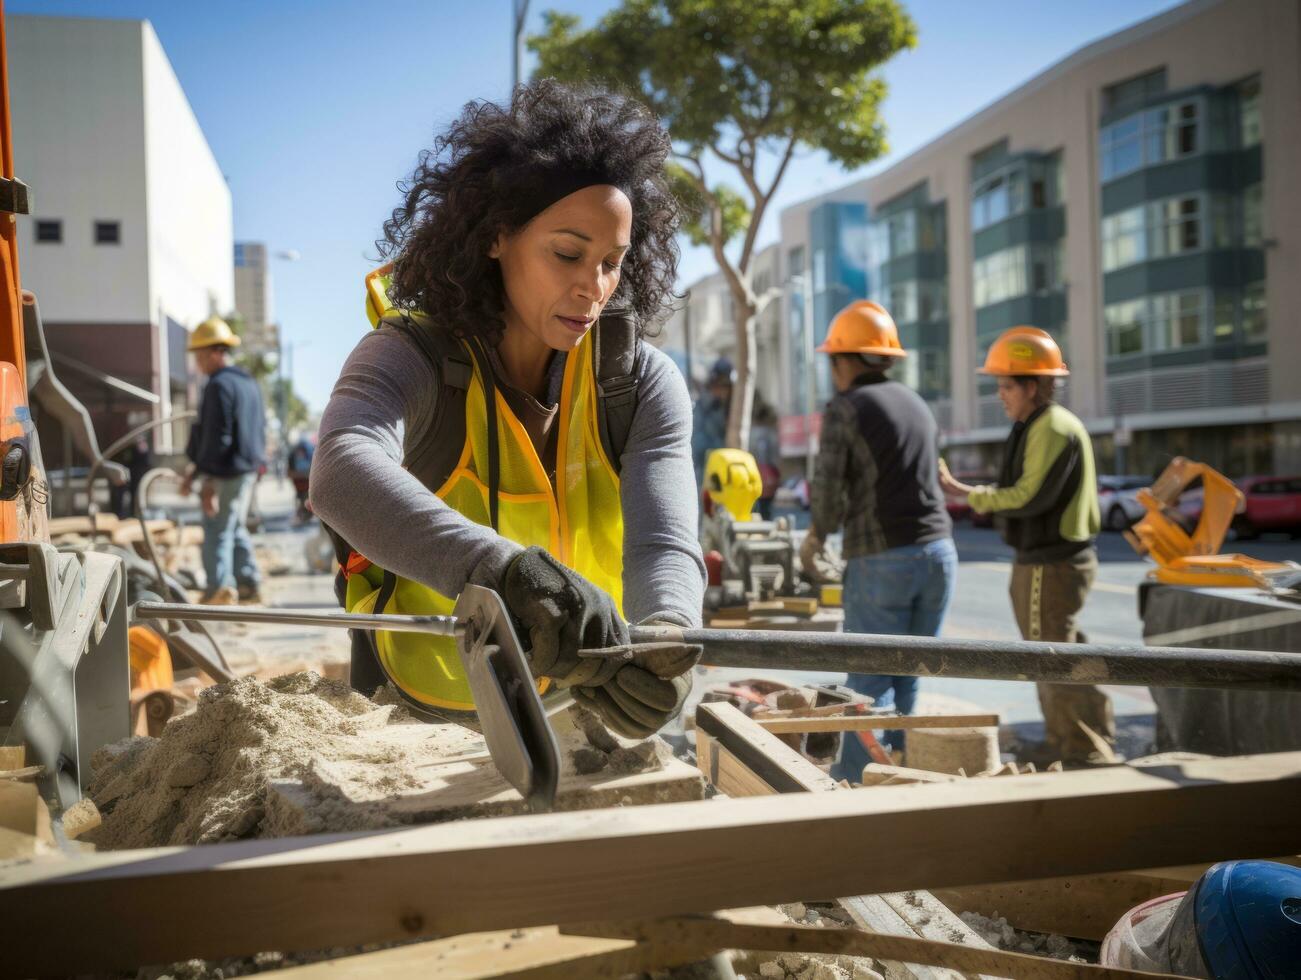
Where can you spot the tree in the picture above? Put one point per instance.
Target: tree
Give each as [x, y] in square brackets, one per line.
[742, 84]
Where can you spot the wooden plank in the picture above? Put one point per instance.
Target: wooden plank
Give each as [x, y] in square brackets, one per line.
[476, 956]
[1082, 907]
[879, 774]
[120, 909]
[726, 772]
[13, 756]
[874, 914]
[862, 723]
[725, 934]
[763, 753]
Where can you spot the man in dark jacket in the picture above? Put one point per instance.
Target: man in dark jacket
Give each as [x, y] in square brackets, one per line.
[225, 449]
[876, 477]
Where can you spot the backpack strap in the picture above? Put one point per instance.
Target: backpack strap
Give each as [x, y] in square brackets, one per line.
[614, 360]
[432, 452]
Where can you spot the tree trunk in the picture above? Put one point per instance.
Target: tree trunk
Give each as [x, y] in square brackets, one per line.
[747, 368]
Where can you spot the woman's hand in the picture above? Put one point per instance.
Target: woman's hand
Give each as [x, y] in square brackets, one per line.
[951, 486]
[562, 613]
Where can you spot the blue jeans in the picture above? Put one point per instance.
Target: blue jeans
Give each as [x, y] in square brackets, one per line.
[903, 591]
[227, 546]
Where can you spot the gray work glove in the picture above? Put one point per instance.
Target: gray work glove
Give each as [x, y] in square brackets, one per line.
[562, 612]
[648, 689]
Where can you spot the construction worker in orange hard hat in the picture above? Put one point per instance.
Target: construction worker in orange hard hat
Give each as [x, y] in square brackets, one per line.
[877, 478]
[1046, 501]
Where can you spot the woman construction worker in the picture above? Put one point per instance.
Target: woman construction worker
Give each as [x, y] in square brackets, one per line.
[505, 425]
[876, 478]
[1046, 502]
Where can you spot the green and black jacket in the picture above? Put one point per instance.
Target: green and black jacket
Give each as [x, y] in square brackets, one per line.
[1046, 501]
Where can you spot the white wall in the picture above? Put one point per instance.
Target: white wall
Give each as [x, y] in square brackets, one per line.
[191, 245]
[76, 95]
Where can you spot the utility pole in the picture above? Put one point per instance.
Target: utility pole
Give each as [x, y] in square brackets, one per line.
[520, 10]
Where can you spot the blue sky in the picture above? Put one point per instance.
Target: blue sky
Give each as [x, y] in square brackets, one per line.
[315, 108]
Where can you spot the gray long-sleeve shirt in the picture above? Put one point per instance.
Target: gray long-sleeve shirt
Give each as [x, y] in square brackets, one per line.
[359, 488]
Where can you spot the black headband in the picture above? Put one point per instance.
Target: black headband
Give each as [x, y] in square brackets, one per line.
[541, 187]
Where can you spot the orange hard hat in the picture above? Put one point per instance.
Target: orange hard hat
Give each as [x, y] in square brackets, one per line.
[1025, 350]
[863, 327]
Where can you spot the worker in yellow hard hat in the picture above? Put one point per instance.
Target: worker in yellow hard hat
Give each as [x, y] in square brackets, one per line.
[506, 425]
[876, 477]
[225, 449]
[1046, 503]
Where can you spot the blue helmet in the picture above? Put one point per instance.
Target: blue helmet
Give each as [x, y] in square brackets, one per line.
[1248, 916]
[722, 370]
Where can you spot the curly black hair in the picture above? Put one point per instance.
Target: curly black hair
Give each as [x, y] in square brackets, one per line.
[473, 184]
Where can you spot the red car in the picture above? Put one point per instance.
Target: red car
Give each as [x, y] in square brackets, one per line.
[1273, 504]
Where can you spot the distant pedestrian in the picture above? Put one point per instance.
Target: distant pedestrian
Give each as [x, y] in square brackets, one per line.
[876, 477]
[1046, 504]
[138, 458]
[225, 450]
[709, 417]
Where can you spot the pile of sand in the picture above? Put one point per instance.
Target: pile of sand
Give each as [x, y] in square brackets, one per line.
[205, 780]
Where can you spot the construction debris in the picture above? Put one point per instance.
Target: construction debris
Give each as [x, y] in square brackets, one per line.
[302, 754]
[998, 933]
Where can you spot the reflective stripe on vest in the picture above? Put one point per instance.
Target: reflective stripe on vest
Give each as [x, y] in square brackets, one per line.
[579, 521]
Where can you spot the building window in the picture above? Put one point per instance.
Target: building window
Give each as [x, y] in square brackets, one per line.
[1045, 268]
[997, 199]
[1163, 322]
[1179, 320]
[108, 232]
[1155, 230]
[999, 276]
[1150, 137]
[1125, 327]
[1253, 311]
[1249, 123]
[795, 262]
[49, 231]
[1253, 217]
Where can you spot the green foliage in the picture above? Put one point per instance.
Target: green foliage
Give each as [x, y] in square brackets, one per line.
[753, 74]
[733, 207]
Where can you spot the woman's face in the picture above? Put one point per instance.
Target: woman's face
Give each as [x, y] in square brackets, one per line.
[561, 268]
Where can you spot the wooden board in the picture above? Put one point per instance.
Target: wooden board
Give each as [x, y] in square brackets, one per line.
[863, 723]
[131, 907]
[775, 762]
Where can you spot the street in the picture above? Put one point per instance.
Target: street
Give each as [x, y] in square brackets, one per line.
[982, 610]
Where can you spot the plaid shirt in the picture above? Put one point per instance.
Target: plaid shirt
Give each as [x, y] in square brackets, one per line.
[846, 471]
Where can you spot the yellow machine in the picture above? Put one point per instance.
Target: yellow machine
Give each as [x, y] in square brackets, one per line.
[758, 555]
[1194, 559]
[732, 481]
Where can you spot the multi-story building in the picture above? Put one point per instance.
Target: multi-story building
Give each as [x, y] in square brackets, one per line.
[253, 298]
[1136, 201]
[129, 244]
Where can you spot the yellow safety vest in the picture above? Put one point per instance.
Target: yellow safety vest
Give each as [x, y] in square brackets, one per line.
[578, 520]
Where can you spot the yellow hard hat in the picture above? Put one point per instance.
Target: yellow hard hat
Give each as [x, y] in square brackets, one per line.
[212, 332]
[863, 327]
[733, 482]
[1025, 350]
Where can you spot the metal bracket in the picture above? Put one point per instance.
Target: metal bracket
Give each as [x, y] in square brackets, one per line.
[520, 739]
[15, 196]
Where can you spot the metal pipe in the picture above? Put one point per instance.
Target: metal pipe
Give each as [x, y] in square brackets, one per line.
[866, 653]
[1013, 660]
[434, 625]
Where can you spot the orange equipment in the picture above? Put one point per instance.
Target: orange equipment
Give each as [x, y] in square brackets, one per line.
[152, 702]
[1194, 559]
[863, 327]
[1025, 351]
